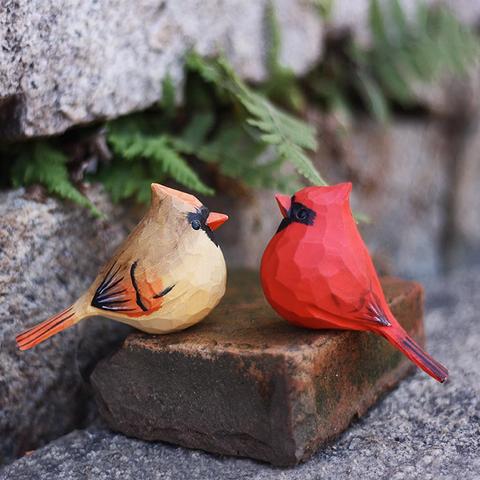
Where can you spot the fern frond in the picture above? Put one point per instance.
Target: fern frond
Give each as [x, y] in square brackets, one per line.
[282, 85]
[197, 130]
[41, 163]
[286, 134]
[168, 96]
[241, 156]
[420, 49]
[377, 23]
[374, 98]
[124, 180]
[406, 51]
[169, 162]
[324, 8]
[163, 159]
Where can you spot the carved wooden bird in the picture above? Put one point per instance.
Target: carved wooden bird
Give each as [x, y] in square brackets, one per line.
[317, 273]
[167, 275]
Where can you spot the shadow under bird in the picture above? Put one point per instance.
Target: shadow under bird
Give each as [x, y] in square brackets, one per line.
[317, 273]
[167, 275]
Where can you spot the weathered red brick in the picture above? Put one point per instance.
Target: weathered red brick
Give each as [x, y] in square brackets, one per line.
[244, 382]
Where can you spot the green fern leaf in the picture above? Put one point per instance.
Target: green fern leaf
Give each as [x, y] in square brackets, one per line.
[374, 97]
[168, 101]
[405, 51]
[241, 156]
[158, 150]
[377, 24]
[285, 133]
[399, 20]
[169, 162]
[197, 130]
[43, 164]
[288, 135]
[124, 180]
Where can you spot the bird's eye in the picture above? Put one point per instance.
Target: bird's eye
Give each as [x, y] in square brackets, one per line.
[301, 214]
[196, 225]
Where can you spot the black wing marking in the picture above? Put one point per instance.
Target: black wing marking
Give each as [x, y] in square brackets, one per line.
[369, 310]
[201, 214]
[375, 312]
[110, 295]
[138, 297]
[164, 292]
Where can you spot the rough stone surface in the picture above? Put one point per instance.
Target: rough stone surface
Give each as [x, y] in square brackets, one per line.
[467, 205]
[70, 62]
[244, 382]
[48, 255]
[400, 180]
[253, 219]
[422, 430]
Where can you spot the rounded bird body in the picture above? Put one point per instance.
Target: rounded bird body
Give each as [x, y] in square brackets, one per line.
[166, 276]
[317, 273]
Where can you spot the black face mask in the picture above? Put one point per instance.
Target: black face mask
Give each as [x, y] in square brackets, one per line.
[298, 213]
[198, 221]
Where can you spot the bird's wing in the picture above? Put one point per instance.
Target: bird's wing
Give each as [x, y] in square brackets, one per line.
[360, 315]
[128, 289]
[348, 297]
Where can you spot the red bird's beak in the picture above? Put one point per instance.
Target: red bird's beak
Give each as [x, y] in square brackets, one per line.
[284, 203]
[215, 219]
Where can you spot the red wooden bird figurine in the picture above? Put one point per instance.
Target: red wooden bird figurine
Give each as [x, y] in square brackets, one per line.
[317, 273]
[167, 275]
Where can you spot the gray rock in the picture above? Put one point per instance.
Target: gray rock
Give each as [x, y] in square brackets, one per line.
[422, 430]
[400, 181]
[467, 205]
[70, 62]
[48, 255]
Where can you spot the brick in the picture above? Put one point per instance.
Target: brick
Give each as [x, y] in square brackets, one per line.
[244, 382]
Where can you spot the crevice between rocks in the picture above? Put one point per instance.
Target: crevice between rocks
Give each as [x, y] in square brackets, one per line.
[458, 129]
[11, 113]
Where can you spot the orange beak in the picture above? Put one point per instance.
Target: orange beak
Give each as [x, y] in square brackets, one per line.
[284, 203]
[215, 220]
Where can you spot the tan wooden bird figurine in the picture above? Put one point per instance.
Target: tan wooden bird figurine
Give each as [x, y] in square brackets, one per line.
[167, 275]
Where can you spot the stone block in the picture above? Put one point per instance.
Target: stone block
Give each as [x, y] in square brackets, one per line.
[49, 253]
[67, 62]
[244, 382]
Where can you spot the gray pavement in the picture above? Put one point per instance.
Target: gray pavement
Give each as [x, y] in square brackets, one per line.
[421, 430]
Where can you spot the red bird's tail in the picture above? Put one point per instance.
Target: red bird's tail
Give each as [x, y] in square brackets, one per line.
[400, 339]
[46, 329]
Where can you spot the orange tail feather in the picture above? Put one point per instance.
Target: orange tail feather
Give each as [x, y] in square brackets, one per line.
[46, 329]
[416, 354]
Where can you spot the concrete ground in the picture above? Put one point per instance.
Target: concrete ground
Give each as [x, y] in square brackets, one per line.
[421, 430]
